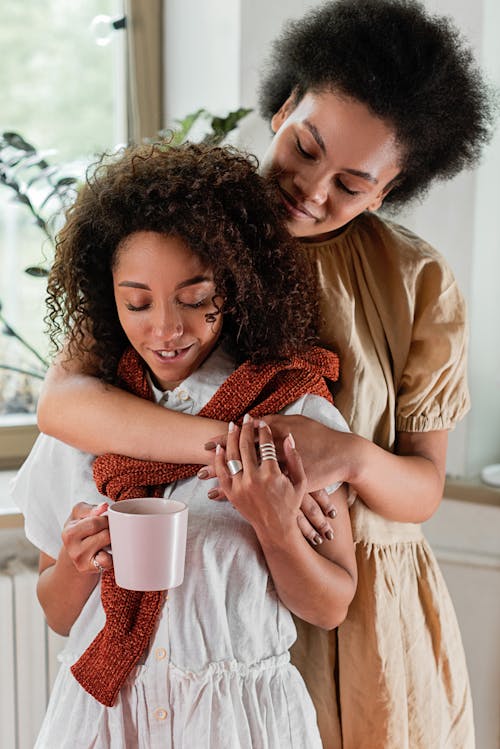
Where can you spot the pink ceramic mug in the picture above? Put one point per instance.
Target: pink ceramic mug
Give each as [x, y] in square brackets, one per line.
[148, 542]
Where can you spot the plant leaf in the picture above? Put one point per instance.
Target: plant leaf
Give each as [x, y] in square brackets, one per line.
[37, 271]
[17, 141]
[224, 125]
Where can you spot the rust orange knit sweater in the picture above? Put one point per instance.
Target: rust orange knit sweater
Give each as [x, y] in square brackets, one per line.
[131, 616]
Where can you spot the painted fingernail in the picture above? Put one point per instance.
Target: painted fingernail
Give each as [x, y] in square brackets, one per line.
[231, 426]
[247, 418]
[291, 440]
[329, 535]
[318, 539]
[332, 513]
[203, 474]
[212, 494]
[218, 449]
[313, 541]
[209, 446]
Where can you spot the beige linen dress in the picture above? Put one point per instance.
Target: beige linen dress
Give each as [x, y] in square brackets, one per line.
[393, 676]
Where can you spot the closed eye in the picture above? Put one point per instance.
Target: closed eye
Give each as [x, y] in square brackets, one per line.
[344, 188]
[133, 308]
[194, 305]
[302, 151]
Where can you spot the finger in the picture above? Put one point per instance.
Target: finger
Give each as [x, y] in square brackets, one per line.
[325, 502]
[93, 525]
[307, 530]
[247, 445]
[207, 472]
[219, 440]
[293, 463]
[315, 517]
[216, 493]
[103, 559]
[221, 470]
[82, 510]
[232, 442]
[267, 448]
[99, 509]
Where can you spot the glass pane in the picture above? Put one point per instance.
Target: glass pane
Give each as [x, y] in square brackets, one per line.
[62, 88]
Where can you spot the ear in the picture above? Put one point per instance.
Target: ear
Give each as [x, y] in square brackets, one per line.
[283, 113]
[379, 199]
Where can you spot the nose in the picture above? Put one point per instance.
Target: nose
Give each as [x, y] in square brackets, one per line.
[313, 187]
[167, 322]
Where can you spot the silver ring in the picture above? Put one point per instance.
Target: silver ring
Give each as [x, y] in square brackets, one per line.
[267, 451]
[96, 564]
[234, 466]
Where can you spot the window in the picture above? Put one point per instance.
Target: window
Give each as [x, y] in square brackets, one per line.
[62, 80]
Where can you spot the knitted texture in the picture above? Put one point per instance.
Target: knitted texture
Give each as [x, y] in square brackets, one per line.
[131, 615]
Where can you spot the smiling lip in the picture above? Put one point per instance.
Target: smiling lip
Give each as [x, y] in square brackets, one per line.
[297, 210]
[170, 355]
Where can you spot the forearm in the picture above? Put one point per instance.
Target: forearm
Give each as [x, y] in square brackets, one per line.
[308, 584]
[98, 418]
[405, 488]
[63, 592]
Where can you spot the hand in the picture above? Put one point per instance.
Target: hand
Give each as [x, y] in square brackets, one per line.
[328, 455]
[264, 495]
[85, 534]
[315, 507]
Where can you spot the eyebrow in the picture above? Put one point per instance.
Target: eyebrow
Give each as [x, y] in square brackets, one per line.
[188, 282]
[321, 143]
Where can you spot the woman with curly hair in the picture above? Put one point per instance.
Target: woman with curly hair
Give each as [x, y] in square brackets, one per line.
[370, 102]
[174, 266]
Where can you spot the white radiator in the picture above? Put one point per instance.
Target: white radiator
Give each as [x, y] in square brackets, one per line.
[28, 657]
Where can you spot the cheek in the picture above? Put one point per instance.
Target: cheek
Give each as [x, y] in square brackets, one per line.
[131, 326]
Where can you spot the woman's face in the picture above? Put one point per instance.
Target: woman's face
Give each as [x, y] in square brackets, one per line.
[332, 159]
[165, 301]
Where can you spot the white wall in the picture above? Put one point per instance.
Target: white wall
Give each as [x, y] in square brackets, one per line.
[215, 49]
[202, 52]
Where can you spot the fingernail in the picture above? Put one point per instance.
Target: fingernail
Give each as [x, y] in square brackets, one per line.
[212, 494]
[203, 474]
[209, 445]
[291, 440]
[329, 535]
[247, 418]
[332, 513]
[231, 426]
[218, 449]
[313, 541]
[318, 539]
[262, 424]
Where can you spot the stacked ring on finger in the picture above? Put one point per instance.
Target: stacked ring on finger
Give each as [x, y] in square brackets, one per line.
[234, 466]
[96, 564]
[268, 451]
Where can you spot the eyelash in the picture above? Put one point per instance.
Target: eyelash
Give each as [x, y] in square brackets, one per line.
[196, 305]
[309, 157]
[302, 151]
[132, 308]
[342, 187]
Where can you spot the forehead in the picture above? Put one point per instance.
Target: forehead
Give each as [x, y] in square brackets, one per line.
[348, 131]
[160, 255]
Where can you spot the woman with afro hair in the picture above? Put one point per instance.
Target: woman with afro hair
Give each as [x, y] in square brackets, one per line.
[175, 273]
[370, 102]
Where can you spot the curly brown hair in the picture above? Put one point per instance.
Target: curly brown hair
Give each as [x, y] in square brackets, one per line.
[213, 199]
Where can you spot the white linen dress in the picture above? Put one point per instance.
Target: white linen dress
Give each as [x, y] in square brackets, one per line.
[217, 674]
